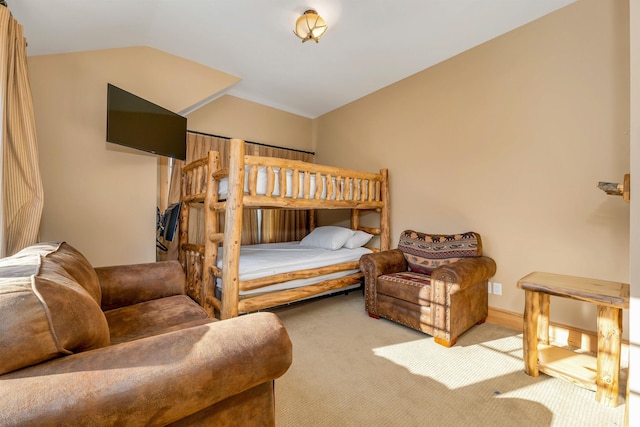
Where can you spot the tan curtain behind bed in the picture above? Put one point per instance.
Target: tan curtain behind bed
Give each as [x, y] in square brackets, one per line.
[276, 225]
[284, 225]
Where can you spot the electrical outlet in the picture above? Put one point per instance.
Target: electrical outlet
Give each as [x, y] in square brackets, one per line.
[497, 288]
[489, 287]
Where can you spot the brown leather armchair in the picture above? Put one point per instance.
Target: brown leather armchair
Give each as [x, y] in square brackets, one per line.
[433, 283]
[125, 346]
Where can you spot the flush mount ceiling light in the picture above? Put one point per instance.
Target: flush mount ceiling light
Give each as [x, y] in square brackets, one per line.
[310, 26]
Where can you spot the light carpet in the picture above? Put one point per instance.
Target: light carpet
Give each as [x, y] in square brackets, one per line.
[351, 370]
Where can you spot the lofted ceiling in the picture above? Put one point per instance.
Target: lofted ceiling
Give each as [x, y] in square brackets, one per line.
[369, 43]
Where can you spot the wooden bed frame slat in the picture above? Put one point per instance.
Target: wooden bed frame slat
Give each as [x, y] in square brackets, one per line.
[291, 295]
[214, 302]
[301, 166]
[216, 272]
[220, 173]
[216, 237]
[194, 198]
[291, 203]
[369, 230]
[189, 247]
[194, 165]
[249, 285]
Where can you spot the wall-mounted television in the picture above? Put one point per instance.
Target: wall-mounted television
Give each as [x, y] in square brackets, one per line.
[137, 123]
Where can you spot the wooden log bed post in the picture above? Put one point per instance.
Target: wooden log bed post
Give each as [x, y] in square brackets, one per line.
[233, 231]
[183, 230]
[312, 219]
[355, 219]
[211, 224]
[385, 232]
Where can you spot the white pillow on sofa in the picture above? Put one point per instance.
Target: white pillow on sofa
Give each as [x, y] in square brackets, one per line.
[327, 237]
[359, 238]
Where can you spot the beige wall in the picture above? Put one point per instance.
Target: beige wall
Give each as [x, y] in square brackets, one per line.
[509, 139]
[237, 118]
[101, 197]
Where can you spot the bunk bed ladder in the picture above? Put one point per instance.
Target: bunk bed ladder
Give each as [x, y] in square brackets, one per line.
[200, 186]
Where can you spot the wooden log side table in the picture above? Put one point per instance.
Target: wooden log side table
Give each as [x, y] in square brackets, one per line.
[599, 374]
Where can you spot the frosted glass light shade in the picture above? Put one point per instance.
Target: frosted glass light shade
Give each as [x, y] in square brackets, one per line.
[310, 26]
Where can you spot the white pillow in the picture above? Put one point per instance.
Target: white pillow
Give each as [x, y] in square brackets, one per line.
[359, 238]
[327, 237]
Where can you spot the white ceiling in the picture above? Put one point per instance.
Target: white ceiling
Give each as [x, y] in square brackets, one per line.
[369, 44]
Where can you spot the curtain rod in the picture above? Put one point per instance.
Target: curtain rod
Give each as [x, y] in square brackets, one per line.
[251, 142]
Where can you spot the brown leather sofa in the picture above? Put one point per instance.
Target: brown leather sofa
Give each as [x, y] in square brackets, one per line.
[125, 346]
[433, 283]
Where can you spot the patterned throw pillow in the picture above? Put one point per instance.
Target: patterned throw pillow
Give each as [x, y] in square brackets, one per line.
[424, 252]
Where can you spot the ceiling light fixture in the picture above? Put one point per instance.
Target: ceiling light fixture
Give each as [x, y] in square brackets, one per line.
[310, 26]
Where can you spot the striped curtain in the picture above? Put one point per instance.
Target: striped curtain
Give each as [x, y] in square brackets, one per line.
[20, 182]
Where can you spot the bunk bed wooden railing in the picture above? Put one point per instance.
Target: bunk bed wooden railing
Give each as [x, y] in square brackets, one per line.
[301, 185]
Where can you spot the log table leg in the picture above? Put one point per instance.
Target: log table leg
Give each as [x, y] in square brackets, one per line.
[609, 347]
[543, 319]
[530, 332]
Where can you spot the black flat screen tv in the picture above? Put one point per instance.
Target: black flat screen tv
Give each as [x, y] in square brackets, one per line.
[137, 123]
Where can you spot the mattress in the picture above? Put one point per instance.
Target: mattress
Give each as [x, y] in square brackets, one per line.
[261, 185]
[257, 261]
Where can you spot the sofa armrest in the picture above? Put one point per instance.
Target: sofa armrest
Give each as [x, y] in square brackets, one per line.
[462, 274]
[385, 262]
[124, 285]
[375, 265]
[151, 381]
[459, 297]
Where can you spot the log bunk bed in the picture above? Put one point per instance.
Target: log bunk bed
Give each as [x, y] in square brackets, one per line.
[335, 188]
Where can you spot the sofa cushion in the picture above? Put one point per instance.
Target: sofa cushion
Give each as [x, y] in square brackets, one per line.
[407, 286]
[154, 317]
[424, 252]
[44, 311]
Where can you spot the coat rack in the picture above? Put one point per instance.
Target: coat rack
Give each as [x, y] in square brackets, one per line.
[617, 189]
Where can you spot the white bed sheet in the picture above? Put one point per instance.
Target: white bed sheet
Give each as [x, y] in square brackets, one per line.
[261, 184]
[264, 260]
